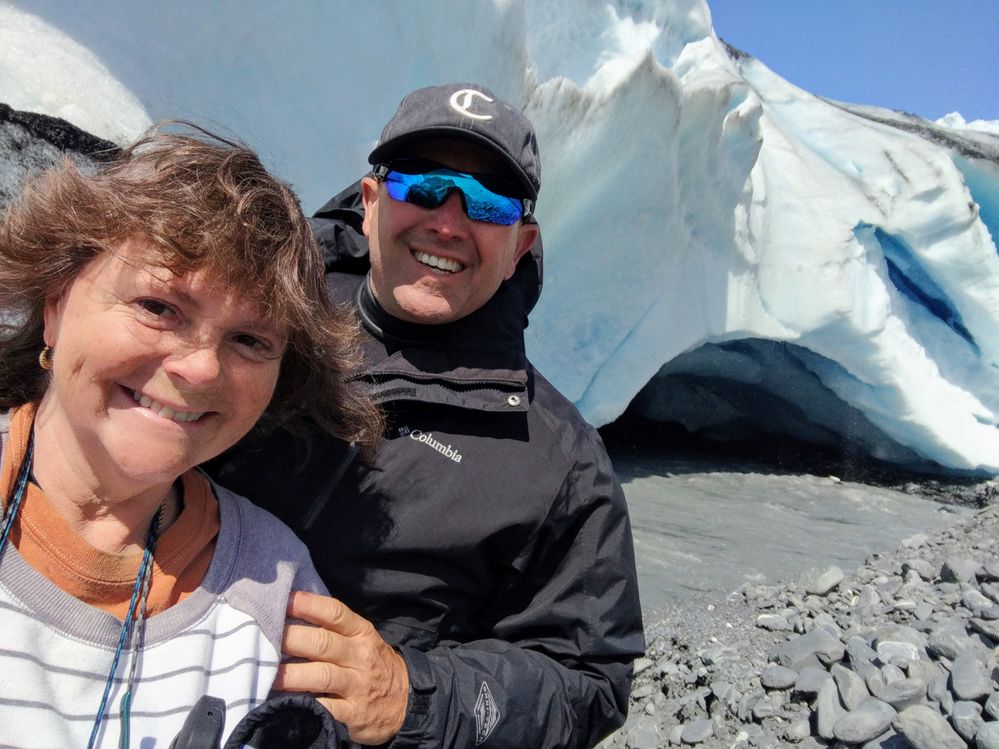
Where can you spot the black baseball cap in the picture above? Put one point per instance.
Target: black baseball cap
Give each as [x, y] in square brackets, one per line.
[469, 112]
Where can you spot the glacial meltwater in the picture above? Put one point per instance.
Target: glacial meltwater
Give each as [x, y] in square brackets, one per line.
[704, 525]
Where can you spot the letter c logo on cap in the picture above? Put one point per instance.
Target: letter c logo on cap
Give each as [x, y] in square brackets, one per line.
[462, 102]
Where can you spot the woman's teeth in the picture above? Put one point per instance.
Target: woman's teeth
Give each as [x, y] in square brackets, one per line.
[440, 263]
[165, 411]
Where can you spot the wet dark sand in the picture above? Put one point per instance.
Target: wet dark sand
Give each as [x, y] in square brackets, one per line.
[710, 520]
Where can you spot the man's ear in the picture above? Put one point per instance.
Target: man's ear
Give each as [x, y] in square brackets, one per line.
[527, 235]
[369, 195]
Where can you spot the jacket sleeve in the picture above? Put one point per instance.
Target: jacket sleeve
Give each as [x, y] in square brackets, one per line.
[291, 721]
[557, 670]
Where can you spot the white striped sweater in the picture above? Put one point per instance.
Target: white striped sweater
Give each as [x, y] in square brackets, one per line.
[223, 640]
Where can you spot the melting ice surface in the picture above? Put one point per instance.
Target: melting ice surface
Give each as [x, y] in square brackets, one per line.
[723, 249]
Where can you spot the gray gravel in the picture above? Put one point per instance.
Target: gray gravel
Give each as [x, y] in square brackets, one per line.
[901, 652]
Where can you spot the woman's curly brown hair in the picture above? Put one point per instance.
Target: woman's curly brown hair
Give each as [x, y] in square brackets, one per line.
[202, 202]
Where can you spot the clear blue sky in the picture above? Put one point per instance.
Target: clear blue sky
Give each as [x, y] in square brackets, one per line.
[928, 57]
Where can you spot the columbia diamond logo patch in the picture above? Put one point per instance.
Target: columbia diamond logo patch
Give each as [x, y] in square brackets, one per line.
[487, 715]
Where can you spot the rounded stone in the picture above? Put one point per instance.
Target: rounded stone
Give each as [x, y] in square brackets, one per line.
[640, 665]
[987, 736]
[959, 570]
[923, 610]
[921, 567]
[821, 584]
[640, 693]
[976, 602]
[925, 728]
[645, 735]
[675, 734]
[992, 706]
[797, 731]
[926, 671]
[828, 710]
[969, 679]
[776, 676]
[852, 690]
[938, 692]
[892, 673]
[810, 680]
[803, 650]
[763, 709]
[948, 641]
[697, 731]
[773, 622]
[991, 570]
[900, 633]
[966, 717]
[991, 590]
[859, 651]
[897, 653]
[989, 628]
[888, 740]
[869, 719]
[901, 694]
[721, 689]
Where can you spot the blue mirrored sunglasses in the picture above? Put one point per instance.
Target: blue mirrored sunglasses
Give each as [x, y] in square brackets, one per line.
[428, 185]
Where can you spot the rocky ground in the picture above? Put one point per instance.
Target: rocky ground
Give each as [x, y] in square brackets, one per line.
[901, 652]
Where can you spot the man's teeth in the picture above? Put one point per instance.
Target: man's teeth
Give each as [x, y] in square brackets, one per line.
[165, 411]
[440, 263]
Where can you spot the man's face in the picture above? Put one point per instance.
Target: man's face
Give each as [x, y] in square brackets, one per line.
[436, 265]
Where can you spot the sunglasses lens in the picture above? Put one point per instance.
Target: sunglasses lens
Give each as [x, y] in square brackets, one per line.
[483, 204]
[431, 189]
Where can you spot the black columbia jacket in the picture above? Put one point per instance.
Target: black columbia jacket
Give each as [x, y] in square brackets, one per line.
[489, 540]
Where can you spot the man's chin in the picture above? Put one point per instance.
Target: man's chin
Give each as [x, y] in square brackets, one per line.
[426, 309]
[430, 316]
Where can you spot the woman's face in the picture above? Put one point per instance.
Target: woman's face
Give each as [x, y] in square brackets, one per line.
[155, 373]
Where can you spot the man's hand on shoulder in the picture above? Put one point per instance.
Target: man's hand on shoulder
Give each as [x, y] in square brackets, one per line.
[352, 671]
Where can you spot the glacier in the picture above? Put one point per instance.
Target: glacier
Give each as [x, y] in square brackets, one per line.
[723, 249]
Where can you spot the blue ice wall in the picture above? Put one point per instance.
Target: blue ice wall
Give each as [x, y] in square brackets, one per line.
[913, 281]
[984, 189]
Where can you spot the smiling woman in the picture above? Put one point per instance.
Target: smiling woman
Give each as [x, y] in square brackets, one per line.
[156, 310]
[182, 370]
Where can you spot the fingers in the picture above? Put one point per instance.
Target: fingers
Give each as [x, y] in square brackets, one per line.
[362, 680]
[315, 644]
[314, 677]
[326, 612]
[373, 709]
[327, 683]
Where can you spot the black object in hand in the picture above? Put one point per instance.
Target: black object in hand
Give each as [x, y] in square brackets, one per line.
[203, 727]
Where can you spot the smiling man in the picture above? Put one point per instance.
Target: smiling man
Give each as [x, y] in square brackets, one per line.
[482, 562]
[433, 266]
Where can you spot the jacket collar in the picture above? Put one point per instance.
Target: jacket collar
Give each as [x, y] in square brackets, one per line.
[478, 362]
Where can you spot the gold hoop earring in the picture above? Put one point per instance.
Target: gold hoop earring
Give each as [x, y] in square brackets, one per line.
[45, 358]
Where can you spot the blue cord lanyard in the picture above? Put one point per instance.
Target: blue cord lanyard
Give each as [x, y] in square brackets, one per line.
[134, 625]
[15, 499]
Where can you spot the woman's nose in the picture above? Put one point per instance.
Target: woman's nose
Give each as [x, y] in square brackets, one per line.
[198, 364]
